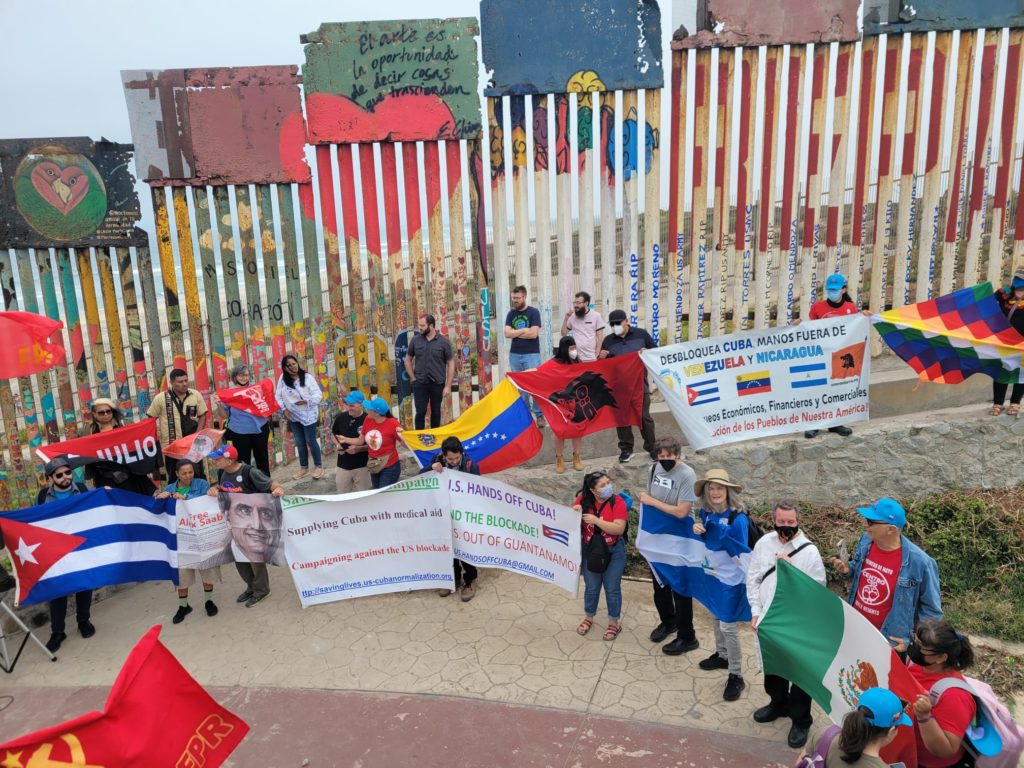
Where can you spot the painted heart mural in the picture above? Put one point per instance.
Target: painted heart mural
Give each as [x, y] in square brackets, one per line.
[60, 194]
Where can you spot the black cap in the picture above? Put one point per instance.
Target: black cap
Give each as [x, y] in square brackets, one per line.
[56, 463]
[617, 316]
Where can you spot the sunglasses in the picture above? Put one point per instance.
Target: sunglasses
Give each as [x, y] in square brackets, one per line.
[106, 412]
[62, 474]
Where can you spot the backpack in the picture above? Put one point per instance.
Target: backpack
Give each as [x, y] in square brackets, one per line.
[754, 529]
[992, 738]
[816, 759]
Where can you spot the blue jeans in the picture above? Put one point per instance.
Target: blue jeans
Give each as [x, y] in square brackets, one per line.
[387, 476]
[305, 440]
[611, 579]
[517, 363]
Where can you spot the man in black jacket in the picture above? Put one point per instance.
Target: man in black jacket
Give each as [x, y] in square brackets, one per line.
[623, 340]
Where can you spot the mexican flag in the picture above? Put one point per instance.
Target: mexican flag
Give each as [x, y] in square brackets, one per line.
[818, 641]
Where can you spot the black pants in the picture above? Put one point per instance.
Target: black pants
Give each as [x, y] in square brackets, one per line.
[675, 610]
[999, 393]
[789, 698]
[625, 434]
[422, 392]
[466, 572]
[252, 449]
[59, 610]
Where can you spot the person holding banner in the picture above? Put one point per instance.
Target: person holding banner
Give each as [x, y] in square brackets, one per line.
[300, 397]
[380, 434]
[188, 486]
[249, 433]
[453, 457]
[603, 513]
[723, 515]
[106, 417]
[566, 354]
[670, 491]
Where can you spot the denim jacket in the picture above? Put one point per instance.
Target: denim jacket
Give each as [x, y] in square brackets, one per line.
[917, 588]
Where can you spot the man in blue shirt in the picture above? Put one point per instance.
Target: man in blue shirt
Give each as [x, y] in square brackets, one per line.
[522, 326]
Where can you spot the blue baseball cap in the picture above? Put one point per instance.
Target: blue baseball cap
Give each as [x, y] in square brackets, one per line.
[355, 397]
[835, 282]
[378, 405]
[1017, 281]
[885, 510]
[885, 709]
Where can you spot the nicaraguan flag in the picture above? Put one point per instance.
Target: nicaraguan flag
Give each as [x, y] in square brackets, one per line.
[808, 375]
[711, 568]
[90, 540]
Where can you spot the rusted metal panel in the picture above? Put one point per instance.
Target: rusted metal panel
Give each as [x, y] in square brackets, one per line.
[618, 41]
[731, 23]
[412, 80]
[223, 125]
[899, 16]
[67, 192]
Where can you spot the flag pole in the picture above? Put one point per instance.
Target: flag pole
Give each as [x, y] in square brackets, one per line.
[6, 662]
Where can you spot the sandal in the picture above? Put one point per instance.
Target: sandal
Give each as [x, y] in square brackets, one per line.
[318, 473]
[300, 474]
[613, 631]
[1013, 410]
[584, 626]
[995, 410]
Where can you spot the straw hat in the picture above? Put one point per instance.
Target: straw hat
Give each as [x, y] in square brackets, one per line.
[719, 476]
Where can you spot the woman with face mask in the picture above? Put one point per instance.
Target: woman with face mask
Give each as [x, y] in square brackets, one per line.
[566, 354]
[937, 655]
[603, 513]
[670, 492]
[1011, 301]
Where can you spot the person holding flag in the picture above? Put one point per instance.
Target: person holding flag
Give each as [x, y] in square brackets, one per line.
[624, 340]
[248, 432]
[1011, 302]
[566, 354]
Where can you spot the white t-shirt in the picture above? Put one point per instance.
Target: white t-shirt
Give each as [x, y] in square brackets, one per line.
[584, 333]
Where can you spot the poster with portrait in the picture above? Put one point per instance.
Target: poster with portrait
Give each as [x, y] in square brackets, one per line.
[231, 527]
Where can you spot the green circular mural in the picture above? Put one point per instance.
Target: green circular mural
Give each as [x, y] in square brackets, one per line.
[60, 194]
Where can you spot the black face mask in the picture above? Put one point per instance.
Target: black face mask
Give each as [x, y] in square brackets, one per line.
[914, 652]
[667, 464]
[582, 311]
[786, 532]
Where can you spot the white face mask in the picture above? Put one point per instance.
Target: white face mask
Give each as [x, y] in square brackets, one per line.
[619, 330]
[573, 354]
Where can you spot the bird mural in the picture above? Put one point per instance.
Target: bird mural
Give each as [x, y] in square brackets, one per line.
[61, 195]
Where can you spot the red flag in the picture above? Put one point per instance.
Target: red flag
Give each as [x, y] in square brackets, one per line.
[33, 550]
[583, 398]
[257, 399]
[134, 446]
[156, 714]
[195, 447]
[27, 347]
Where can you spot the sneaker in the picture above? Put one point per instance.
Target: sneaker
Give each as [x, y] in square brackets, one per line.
[577, 462]
[211, 608]
[53, 644]
[244, 597]
[86, 629]
[443, 592]
[6, 581]
[559, 465]
[625, 456]
[714, 661]
[797, 736]
[733, 687]
[183, 611]
[841, 430]
[680, 646]
[811, 433]
[468, 593]
[255, 599]
[662, 631]
[768, 714]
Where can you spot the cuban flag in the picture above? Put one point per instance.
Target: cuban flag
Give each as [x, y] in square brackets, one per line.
[562, 537]
[90, 540]
[711, 568]
[702, 392]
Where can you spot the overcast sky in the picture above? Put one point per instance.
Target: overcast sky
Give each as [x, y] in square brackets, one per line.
[61, 60]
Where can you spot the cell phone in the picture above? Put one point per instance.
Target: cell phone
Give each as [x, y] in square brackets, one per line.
[844, 553]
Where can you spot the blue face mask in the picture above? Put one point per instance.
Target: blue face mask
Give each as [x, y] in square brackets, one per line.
[834, 296]
[606, 492]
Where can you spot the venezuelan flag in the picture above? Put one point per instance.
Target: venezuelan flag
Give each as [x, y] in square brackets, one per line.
[496, 433]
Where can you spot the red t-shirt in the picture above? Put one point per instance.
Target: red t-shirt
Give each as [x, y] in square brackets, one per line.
[953, 712]
[381, 438]
[878, 584]
[821, 309]
[610, 511]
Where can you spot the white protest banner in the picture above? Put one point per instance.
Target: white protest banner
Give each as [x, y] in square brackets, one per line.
[766, 382]
[370, 543]
[203, 533]
[231, 527]
[497, 526]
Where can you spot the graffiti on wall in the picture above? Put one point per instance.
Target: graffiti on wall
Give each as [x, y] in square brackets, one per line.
[899, 16]
[225, 125]
[392, 81]
[729, 23]
[618, 41]
[67, 192]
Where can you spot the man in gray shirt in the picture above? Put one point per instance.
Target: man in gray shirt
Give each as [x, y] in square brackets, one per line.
[670, 490]
[431, 368]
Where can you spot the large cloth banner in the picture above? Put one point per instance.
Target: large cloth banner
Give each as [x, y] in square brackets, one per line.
[231, 527]
[766, 382]
[133, 446]
[370, 543]
[497, 526]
